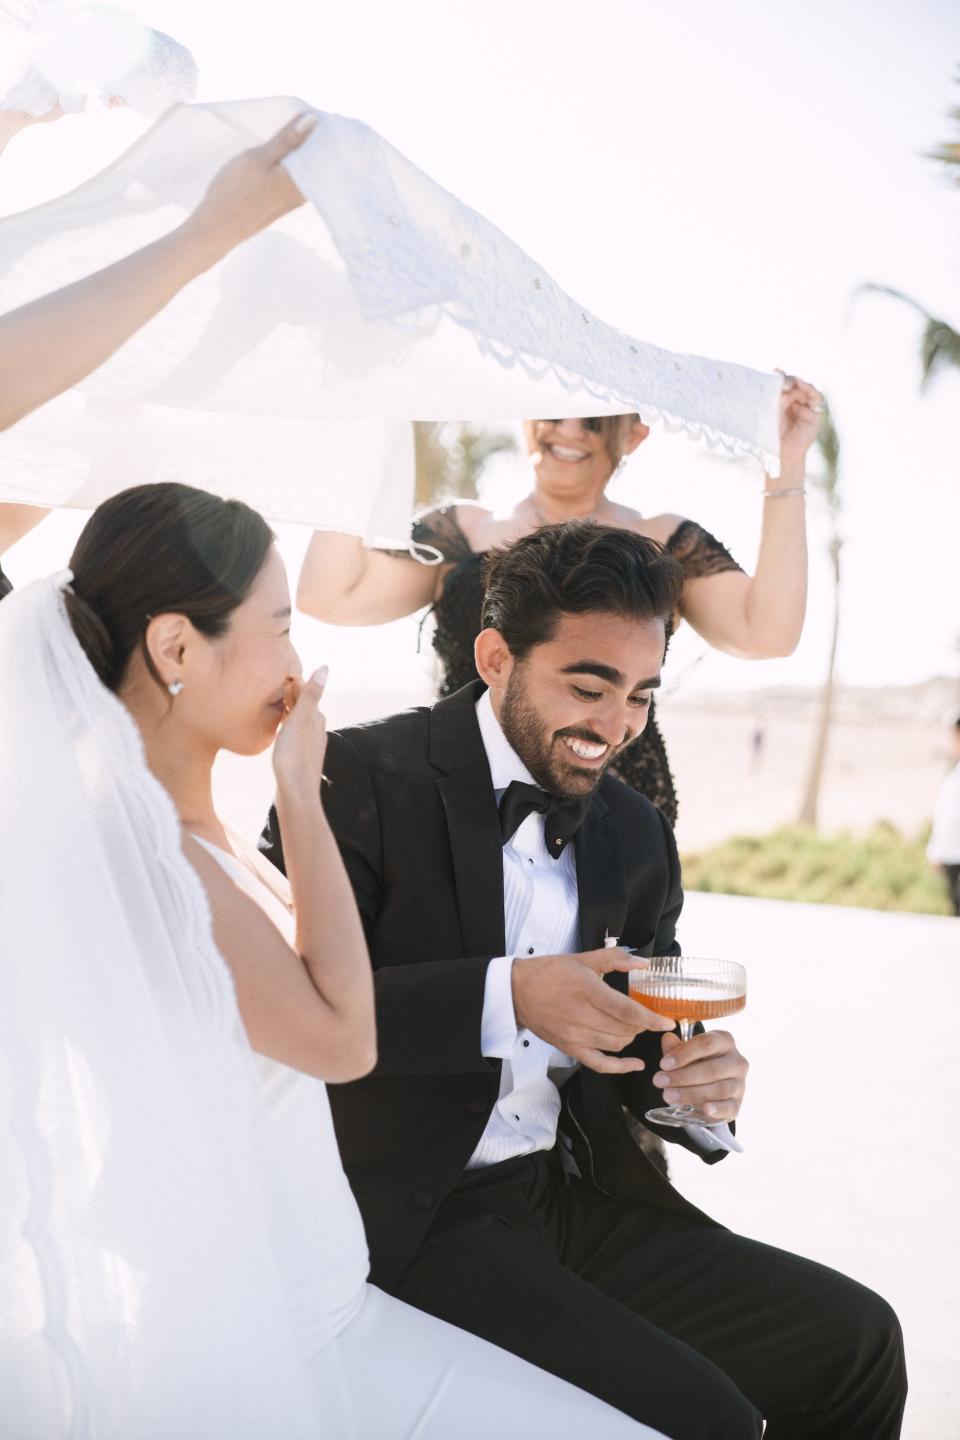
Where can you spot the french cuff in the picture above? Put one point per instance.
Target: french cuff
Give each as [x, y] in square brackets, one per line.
[498, 1022]
[709, 1138]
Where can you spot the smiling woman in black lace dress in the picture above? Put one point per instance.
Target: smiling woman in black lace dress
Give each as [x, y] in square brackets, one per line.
[754, 617]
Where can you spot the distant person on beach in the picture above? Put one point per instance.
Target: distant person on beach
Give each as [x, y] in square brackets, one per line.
[492, 853]
[757, 739]
[943, 849]
[56, 341]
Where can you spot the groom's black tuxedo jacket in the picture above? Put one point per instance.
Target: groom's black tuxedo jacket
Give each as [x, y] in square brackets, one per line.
[412, 804]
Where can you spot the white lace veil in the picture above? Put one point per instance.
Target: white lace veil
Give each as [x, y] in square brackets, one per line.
[83, 56]
[288, 375]
[140, 1294]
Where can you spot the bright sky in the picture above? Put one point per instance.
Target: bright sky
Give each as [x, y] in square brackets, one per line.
[714, 178]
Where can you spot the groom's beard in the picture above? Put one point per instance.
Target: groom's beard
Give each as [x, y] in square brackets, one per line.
[552, 764]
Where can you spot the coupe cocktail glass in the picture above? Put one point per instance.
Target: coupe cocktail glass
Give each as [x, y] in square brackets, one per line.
[687, 989]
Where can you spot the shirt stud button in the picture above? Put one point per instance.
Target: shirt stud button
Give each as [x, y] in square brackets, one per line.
[526, 1044]
[517, 1118]
[529, 949]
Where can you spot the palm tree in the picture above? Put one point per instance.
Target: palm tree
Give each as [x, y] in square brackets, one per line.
[940, 342]
[949, 153]
[828, 485]
[450, 457]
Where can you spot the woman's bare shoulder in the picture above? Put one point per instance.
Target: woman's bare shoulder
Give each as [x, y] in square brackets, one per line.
[473, 518]
[484, 529]
[654, 527]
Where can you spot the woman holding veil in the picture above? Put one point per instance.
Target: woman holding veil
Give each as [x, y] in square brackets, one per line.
[101, 311]
[180, 1253]
[573, 461]
[52, 57]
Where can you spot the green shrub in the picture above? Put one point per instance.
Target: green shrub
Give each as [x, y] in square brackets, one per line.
[881, 870]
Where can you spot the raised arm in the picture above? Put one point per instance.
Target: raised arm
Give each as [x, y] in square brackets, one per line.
[52, 343]
[12, 122]
[428, 1014]
[761, 616]
[310, 1007]
[345, 583]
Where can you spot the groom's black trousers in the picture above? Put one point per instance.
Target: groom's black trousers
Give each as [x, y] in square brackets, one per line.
[688, 1327]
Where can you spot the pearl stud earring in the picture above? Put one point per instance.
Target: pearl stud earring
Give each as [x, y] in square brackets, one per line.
[175, 687]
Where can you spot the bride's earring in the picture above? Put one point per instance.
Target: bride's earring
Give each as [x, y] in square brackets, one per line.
[175, 687]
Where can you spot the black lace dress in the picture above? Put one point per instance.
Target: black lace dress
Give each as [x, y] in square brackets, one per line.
[643, 764]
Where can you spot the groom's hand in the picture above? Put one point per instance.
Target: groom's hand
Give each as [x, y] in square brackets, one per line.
[707, 1070]
[563, 1000]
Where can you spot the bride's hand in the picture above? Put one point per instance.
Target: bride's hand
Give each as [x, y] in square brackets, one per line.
[302, 739]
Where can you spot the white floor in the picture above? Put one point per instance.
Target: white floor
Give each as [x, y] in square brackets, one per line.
[851, 1124]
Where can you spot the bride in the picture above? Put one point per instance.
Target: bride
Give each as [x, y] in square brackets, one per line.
[180, 1253]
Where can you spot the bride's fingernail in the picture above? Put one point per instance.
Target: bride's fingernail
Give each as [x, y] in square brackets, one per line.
[306, 122]
[319, 677]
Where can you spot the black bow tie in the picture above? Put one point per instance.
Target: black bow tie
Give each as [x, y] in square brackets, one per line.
[561, 818]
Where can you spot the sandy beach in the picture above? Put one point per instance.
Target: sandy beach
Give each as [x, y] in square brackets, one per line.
[886, 757]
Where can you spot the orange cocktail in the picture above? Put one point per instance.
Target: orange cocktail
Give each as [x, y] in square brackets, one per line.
[688, 989]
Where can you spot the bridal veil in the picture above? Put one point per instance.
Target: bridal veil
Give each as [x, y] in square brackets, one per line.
[138, 1207]
[289, 374]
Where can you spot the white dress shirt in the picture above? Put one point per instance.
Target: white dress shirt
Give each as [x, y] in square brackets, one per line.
[541, 917]
[944, 846]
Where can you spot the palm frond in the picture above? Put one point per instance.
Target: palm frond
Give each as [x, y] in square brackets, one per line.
[828, 444]
[939, 349]
[450, 457]
[940, 342]
[949, 153]
[870, 287]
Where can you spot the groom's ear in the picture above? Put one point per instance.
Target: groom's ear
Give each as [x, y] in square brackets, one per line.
[493, 659]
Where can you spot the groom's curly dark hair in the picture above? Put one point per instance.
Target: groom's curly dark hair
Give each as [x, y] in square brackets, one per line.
[571, 569]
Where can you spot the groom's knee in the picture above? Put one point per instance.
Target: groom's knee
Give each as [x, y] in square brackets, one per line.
[872, 1337]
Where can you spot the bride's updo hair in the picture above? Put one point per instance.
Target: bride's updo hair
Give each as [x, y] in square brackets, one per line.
[160, 549]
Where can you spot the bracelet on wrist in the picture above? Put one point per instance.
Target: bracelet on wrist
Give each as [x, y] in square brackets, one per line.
[784, 493]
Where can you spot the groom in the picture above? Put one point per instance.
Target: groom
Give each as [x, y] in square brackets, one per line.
[491, 855]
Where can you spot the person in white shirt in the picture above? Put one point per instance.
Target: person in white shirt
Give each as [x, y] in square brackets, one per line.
[943, 849]
[491, 857]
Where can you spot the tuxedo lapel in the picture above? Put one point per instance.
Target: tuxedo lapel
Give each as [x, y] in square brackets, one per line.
[473, 826]
[601, 882]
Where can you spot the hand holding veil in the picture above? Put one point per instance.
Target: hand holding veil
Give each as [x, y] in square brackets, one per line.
[288, 375]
